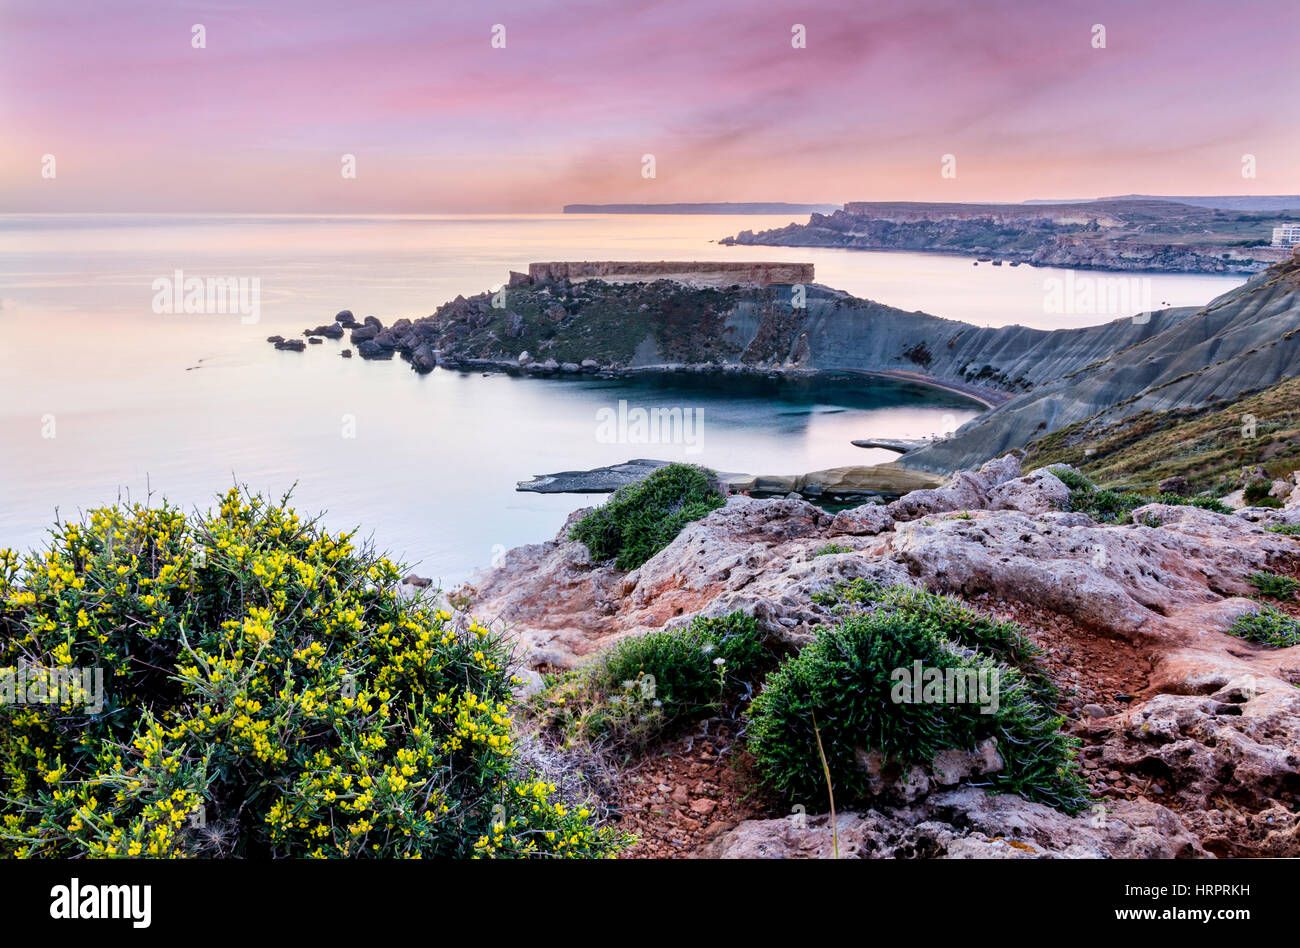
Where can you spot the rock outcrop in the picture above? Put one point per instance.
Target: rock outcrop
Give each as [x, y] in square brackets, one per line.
[1192, 736]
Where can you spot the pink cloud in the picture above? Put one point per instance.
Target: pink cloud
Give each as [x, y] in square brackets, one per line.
[439, 120]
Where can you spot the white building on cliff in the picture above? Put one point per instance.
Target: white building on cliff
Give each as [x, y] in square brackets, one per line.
[1288, 236]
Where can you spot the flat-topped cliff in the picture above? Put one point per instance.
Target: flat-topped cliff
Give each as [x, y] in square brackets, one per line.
[697, 273]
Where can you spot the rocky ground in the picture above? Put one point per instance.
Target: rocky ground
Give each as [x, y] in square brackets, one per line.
[1191, 736]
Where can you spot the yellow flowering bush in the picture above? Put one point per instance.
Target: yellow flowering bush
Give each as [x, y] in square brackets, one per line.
[266, 693]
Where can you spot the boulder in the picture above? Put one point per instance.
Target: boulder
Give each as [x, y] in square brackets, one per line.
[867, 520]
[1038, 492]
[1174, 485]
[370, 349]
[423, 360]
[1208, 723]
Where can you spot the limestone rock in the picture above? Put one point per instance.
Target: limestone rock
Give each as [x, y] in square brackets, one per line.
[968, 823]
[1038, 492]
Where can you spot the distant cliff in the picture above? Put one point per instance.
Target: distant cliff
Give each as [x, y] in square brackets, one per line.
[1106, 235]
[722, 207]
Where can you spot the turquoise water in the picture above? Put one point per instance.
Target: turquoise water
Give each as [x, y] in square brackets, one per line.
[184, 406]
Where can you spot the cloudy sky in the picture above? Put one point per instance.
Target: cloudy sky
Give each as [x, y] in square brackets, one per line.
[137, 119]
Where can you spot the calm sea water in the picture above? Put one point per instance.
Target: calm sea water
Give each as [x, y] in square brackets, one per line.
[101, 397]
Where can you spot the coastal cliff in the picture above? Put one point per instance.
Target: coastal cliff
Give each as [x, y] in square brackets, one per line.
[1244, 341]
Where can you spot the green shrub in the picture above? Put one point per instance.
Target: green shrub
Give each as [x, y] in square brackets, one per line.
[1268, 626]
[644, 685]
[949, 617]
[846, 678]
[1110, 506]
[1274, 586]
[1286, 529]
[1203, 501]
[1256, 494]
[643, 518]
[267, 693]
[1072, 478]
[831, 548]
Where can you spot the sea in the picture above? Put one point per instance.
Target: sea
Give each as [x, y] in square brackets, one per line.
[110, 392]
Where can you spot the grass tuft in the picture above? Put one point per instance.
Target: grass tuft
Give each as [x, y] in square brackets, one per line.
[1274, 586]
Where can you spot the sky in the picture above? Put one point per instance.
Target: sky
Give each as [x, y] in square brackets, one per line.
[439, 120]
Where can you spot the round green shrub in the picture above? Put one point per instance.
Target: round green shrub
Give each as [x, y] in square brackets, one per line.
[266, 693]
[844, 678]
[643, 518]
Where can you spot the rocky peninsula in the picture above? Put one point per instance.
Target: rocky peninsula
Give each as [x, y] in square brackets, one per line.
[571, 319]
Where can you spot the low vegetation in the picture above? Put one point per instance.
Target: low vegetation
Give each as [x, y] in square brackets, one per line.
[848, 678]
[1269, 626]
[265, 693]
[642, 687]
[641, 519]
[1256, 494]
[1207, 446]
[1110, 506]
[1273, 586]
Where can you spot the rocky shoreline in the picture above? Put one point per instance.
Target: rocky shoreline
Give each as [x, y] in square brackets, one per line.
[403, 338]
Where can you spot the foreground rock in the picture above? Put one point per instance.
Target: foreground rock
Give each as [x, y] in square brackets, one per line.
[967, 824]
[1200, 728]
